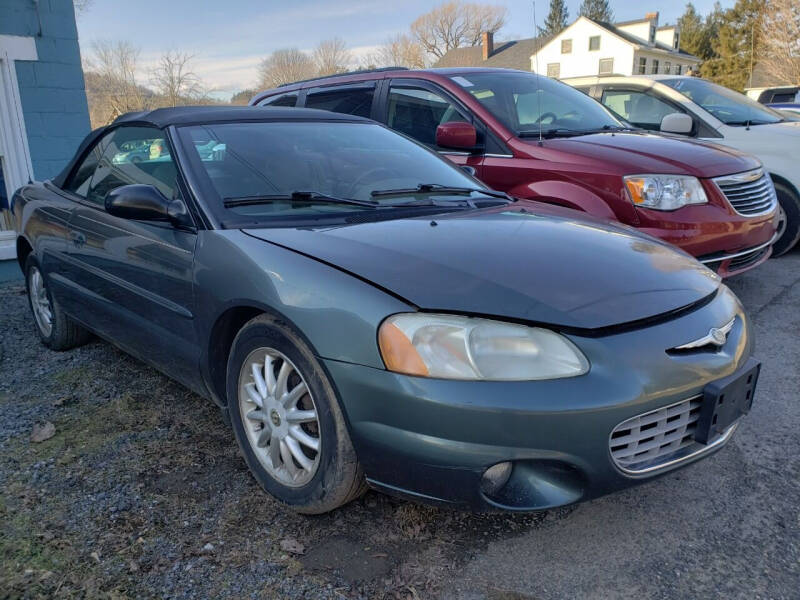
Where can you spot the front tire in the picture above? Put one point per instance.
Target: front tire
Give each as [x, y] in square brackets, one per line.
[56, 330]
[790, 205]
[287, 420]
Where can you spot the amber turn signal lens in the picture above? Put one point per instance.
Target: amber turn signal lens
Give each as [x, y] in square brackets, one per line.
[636, 189]
[398, 353]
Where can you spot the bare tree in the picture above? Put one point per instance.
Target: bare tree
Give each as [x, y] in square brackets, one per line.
[780, 41]
[400, 50]
[112, 86]
[455, 24]
[331, 56]
[285, 66]
[174, 79]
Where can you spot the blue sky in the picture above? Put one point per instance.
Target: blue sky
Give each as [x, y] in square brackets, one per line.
[230, 37]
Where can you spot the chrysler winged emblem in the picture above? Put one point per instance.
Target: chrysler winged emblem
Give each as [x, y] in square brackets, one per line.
[717, 336]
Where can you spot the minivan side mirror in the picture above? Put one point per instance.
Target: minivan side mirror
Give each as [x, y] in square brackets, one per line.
[144, 203]
[677, 123]
[457, 134]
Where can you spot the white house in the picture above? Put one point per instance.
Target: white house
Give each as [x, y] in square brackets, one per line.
[589, 47]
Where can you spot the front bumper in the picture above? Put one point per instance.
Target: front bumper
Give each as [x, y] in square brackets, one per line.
[727, 242]
[433, 439]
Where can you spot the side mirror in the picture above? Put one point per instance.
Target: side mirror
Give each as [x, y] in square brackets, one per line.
[144, 203]
[457, 134]
[677, 123]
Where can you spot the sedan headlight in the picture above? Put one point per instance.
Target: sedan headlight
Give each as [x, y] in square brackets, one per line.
[665, 192]
[455, 347]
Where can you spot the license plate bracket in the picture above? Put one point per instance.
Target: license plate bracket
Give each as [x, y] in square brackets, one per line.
[725, 401]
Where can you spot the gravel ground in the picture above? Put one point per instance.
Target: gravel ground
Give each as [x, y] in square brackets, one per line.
[141, 493]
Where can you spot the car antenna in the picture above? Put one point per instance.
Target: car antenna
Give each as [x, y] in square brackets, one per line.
[536, 60]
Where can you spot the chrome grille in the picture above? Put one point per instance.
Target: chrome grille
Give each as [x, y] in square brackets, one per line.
[750, 193]
[654, 438]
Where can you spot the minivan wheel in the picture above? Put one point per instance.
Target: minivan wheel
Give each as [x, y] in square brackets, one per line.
[790, 220]
[56, 330]
[287, 420]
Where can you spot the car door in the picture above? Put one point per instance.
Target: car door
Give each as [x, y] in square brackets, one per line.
[416, 108]
[639, 107]
[132, 280]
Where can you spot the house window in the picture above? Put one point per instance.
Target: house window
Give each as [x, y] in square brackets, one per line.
[554, 70]
[642, 65]
[654, 68]
[594, 43]
[566, 46]
[677, 42]
[652, 33]
[677, 69]
[606, 66]
[667, 67]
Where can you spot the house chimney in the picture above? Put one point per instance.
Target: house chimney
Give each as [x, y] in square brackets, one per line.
[487, 43]
[652, 16]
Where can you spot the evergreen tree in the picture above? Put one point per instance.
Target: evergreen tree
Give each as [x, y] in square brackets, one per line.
[599, 10]
[695, 34]
[556, 19]
[735, 44]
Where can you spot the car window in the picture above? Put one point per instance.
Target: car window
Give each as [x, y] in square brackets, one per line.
[732, 108]
[341, 159]
[417, 113]
[289, 99]
[528, 103]
[134, 155]
[78, 182]
[641, 109]
[349, 100]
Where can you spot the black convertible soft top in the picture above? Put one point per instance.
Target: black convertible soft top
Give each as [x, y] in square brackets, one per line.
[198, 115]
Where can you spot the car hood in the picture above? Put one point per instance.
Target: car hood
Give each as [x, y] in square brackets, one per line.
[541, 267]
[640, 153]
[785, 128]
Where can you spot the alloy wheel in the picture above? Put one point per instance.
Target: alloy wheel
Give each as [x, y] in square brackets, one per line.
[279, 417]
[40, 302]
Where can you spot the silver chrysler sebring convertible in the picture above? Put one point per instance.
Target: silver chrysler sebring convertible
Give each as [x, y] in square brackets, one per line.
[365, 313]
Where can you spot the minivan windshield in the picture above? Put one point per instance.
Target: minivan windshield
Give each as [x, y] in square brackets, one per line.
[530, 104]
[732, 108]
[312, 168]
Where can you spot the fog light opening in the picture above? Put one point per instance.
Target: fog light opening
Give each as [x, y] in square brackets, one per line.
[495, 477]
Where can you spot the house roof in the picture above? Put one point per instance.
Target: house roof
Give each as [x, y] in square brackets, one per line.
[763, 79]
[632, 39]
[513, 54]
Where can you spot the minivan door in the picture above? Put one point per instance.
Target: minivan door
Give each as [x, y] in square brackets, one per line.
[416, 108]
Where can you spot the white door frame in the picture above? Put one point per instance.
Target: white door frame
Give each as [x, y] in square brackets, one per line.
[14, 151]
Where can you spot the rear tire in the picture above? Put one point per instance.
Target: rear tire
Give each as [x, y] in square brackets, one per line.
[56, 330]
[790, 203]
[277, 437]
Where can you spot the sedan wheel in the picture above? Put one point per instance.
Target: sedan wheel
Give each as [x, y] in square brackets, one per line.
[40, 302]
[280, 417]
[287, 419]
[56, 330]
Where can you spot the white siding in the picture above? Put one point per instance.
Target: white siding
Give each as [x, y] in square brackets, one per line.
[581, 61]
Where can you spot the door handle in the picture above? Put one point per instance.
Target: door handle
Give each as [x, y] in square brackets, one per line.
[77, 238]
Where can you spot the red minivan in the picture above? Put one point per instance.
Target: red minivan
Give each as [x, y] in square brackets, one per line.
[537, 138]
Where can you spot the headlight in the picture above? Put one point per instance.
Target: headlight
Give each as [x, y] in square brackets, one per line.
[665, 192]
[454, 347]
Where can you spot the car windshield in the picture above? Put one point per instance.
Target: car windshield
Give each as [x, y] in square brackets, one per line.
[530, 104]
[302, 168]
[732, 108]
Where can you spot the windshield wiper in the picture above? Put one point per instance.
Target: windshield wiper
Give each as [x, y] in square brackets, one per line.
[428, 188]
[564, 132]
[297, 196]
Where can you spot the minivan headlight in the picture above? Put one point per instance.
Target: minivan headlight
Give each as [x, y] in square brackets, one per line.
[665, 192]
[456, 347]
